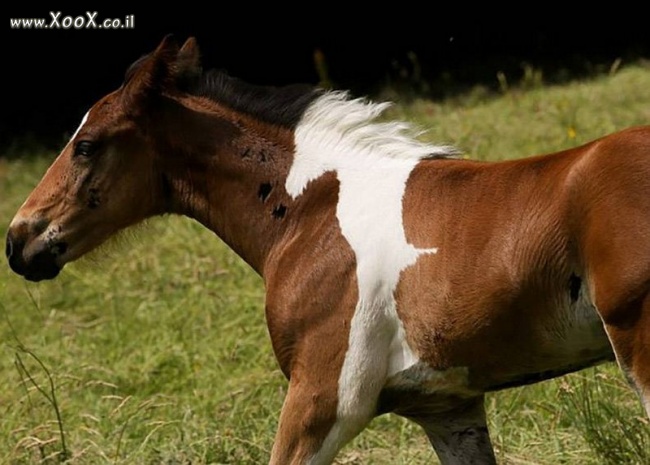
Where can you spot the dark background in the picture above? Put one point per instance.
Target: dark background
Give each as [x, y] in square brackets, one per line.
[51, 77]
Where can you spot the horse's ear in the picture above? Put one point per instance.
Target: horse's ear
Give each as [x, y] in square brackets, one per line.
[189, 57]
[188, 64]
[151, 75]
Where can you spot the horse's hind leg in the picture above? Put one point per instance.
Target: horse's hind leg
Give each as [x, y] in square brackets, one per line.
[628, 328]
[459, 436]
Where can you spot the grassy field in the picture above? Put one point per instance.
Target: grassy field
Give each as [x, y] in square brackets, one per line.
[158, 353]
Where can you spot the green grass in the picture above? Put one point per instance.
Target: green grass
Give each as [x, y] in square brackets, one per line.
[158, 352]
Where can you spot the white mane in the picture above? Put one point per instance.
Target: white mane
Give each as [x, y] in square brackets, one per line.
[338, 123]
[340, 134]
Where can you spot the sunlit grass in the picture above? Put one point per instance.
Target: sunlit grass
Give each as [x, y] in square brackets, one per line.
[158, 352]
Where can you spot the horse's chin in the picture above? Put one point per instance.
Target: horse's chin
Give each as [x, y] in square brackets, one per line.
[42, 274]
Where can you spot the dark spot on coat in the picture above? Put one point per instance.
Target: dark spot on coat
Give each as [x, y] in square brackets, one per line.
[264, 191]
[575, 283]
[279, 211]
[94, 199]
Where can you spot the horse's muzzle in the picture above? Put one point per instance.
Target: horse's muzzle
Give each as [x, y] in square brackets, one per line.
[36, 263]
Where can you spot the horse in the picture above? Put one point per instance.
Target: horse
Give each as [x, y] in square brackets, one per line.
[399, 277]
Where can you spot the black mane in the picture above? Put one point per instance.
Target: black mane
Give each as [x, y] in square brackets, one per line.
[283, 106]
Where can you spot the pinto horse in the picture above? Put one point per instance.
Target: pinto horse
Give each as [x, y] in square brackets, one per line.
[398, 277]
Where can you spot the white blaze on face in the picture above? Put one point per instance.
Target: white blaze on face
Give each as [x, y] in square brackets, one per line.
[372, 163]
[81, 125]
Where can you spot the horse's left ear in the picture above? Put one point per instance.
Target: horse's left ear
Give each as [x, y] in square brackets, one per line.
[151, 75]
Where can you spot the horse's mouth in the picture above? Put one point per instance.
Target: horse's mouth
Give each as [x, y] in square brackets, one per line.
[42, 274]
[37, 266]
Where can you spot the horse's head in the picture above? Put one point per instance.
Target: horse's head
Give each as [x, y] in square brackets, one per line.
[106, 178]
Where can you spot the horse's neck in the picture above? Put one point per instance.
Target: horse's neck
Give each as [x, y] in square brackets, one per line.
[233, 183]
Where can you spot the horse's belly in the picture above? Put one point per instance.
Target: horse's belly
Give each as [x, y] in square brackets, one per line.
[569, 337]
[421, 388]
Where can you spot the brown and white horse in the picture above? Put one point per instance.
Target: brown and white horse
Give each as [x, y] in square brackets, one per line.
[398, 278]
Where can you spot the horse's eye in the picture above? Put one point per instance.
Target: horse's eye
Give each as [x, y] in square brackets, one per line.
[84, 148]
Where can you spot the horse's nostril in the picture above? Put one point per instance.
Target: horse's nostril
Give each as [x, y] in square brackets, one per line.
[9, 247]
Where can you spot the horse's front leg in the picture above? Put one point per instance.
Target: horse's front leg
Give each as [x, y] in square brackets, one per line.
[311, 431]
[308, 414]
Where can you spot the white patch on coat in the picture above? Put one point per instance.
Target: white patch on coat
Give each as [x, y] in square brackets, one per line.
[372, 162]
